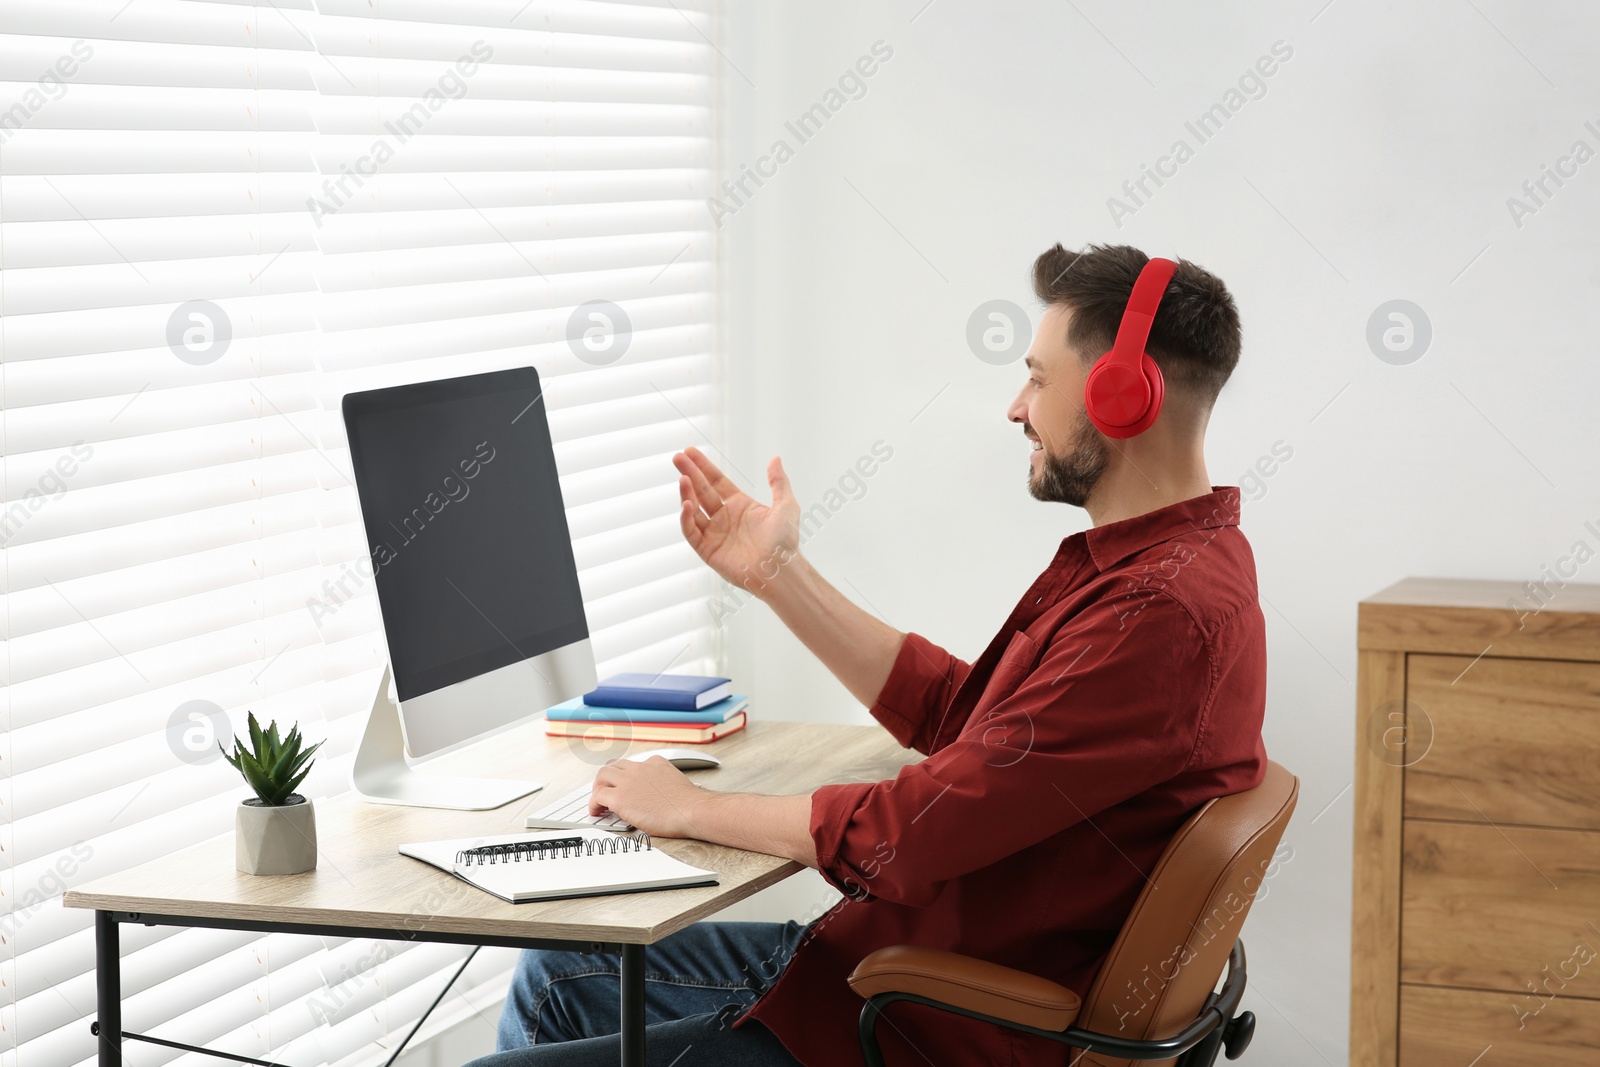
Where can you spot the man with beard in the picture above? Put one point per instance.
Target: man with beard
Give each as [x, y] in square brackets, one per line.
[1125, 690]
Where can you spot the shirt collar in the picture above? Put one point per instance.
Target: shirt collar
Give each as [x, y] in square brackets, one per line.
[1118, 540]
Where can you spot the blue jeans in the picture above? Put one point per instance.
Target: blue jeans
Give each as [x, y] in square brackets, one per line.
[565, 1008]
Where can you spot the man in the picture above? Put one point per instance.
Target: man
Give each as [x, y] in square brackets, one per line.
[1125, 690]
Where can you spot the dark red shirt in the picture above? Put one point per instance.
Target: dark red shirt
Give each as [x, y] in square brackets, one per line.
[1125, 690]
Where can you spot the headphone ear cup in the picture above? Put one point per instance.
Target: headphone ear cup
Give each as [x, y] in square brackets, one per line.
[1101, 394]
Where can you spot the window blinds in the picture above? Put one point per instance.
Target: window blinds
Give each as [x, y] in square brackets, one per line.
[216, 219]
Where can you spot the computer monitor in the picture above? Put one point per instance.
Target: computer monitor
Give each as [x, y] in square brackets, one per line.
[475, 576]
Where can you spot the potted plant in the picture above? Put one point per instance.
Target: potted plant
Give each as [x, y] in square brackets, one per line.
[275, 831]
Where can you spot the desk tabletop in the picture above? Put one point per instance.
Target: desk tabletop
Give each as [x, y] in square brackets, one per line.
[361, 881]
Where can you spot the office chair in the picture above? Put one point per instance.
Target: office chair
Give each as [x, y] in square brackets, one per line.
[1155, 997]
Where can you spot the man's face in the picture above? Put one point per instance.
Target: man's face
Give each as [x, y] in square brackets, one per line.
[1069, 455]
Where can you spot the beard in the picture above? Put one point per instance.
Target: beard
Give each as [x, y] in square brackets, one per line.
[1071, 478]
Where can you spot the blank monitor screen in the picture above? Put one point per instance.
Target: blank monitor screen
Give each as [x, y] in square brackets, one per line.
[464, 519]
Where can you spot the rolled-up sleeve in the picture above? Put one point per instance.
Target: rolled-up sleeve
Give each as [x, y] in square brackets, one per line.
[920, 684]
[1113, 706]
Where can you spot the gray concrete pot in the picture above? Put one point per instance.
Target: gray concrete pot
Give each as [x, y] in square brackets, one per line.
[275, 840]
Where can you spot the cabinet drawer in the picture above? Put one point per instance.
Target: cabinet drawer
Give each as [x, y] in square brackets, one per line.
[1513, 741]
[1453, 1027]
[1500, 908]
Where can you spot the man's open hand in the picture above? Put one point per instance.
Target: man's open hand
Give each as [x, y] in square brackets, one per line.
[745, 542]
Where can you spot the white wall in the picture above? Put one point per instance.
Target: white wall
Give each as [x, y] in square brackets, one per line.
[1376, 166]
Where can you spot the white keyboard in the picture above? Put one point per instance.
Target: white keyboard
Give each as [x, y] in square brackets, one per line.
[572, 812]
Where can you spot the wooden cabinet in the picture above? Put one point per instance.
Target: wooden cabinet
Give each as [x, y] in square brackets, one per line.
[1476, 935]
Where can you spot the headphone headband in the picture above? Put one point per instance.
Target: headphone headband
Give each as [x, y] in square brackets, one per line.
[1134, 329]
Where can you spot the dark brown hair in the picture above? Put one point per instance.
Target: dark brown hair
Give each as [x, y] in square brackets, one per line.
[1195, 336]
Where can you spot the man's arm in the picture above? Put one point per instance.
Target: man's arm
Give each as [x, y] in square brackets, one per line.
[657, 798]
[757, 548]
[777, 826]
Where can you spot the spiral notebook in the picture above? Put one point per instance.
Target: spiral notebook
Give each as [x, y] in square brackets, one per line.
[551, 864]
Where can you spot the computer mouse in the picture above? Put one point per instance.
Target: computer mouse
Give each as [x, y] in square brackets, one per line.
[685, 759]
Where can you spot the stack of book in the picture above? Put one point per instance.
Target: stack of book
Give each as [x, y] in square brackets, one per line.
[672, 708]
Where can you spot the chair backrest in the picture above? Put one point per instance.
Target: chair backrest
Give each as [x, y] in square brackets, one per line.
[1172, 949]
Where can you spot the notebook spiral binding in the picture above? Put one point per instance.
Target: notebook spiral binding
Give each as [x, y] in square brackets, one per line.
[638, 841]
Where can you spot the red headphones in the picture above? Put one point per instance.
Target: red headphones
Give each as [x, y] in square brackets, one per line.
[1124, 391]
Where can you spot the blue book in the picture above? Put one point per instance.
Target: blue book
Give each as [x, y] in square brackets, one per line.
[575, 710]
[658, 692]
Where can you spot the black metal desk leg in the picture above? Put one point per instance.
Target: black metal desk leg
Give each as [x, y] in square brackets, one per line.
[632, 1006]
[108, 988]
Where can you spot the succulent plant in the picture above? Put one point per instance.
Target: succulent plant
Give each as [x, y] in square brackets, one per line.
[272, 767]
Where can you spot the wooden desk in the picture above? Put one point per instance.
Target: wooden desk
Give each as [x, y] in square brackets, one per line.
[363, 887]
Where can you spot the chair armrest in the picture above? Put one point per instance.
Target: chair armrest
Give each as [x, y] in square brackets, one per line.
[965, 982]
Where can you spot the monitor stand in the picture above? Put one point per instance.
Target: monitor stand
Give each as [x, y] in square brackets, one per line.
[382, 775]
